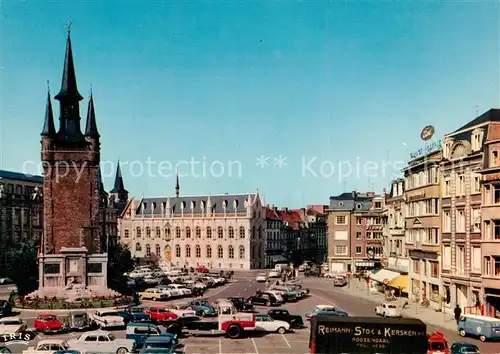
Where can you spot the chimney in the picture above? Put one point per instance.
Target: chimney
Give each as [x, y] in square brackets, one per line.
[267, 206]
[354, 194]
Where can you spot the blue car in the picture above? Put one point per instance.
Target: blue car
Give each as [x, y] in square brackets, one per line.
[134, 314]
[464, 348]
[162, 345]
[203, 308]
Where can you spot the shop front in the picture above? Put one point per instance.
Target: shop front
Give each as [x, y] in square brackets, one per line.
[492, 302]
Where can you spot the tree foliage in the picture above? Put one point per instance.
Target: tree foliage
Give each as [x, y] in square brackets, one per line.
[120, 261]
[21, 265]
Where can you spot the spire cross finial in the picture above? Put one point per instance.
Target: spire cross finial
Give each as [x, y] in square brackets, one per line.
[48, 87]
[90, 90]
[69, 26]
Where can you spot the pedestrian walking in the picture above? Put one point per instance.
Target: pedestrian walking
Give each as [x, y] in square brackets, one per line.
[458, 313]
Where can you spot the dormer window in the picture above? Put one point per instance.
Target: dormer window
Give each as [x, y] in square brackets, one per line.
[183, 205]
[193, 205]
[224, 204]
[202, 205]
[235, 204]
[447, 148]
[494, 159]
[341, 204]
[477, 139]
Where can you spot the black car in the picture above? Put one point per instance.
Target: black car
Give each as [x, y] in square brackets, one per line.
[263, 299]
[134, 314]
[295, 321]
[464, 348]
[5, 308]
[241, 304]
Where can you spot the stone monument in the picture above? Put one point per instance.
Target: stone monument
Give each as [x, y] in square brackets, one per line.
[73, 251]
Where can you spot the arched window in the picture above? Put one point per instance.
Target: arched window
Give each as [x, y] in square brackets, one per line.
[138, 247]
[209, 232]
[220, 251]
[157, 250]
[231, 232]
[188, 251]
[148, 251]
[138, 232]
[198, 251]
[158, 232]
[167, 233]
[148, 232]
[242, 231]
[209, 251]
[188, 232]
[242, 252]
[177, 251]
[220, 232]
[177, 232]
[230, 251]
[198, 232]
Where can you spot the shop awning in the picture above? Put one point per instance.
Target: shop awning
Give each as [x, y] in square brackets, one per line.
[384, 276]
[278, 258]
[401, 282]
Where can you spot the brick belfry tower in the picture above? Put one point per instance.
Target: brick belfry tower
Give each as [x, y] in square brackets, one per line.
[72, 257]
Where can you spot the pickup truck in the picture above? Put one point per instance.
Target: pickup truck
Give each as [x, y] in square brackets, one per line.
[360, 335]
[229, 322]
[295, 321]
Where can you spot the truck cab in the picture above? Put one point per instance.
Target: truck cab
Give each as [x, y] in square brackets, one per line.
[438, 344]
[141, 331]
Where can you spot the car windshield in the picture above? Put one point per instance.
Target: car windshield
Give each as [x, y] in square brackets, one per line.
[204, 303]
[263, 318]
[391, 306]
[111, 337]
[437, 346]
[109, 314]
[262, 274]
[160, 345]
[11, 322]
[135, 309]
[49, 318]
[162, 310]
[79, 316]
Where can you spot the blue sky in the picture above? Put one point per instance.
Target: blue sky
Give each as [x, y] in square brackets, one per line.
[321, 84]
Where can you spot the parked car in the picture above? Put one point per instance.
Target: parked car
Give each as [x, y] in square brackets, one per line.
[182, 311]
[482, 327]
[241, 304]
[160, 314]
[162, 345]
[140, 332]
[464, 348]
[49, 323]
[202, 269]
[261, 278]
[134, 314]
[203, 308]
[274, 274]
[47, 346]
[339, 280]
[108, 319]
[335, 312]
[79, 320]
[281, 314]
[10, 325]
[388, 309]
[5, 308]
[181, 289]
[103, 342]
[265, 323]
[153, 294]
[263, 299]
[324, 309]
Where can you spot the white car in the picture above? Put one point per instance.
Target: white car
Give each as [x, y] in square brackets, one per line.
[107, 319]
[181, 289]
[182, 311]
[9, 325]
[191, 284]
[261, 278]
[48, 346]
[274, 274]
[388, 309]
[265, 323]
[219, 280]
[102, 342]
[165, 290]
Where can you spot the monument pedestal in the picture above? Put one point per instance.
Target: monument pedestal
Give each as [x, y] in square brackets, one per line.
[72, 274]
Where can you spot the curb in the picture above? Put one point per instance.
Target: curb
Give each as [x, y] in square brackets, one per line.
[19, 309]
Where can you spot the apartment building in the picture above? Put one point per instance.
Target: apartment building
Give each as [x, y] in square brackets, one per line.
[463, 154]
[490, 211]
[423, 227]
[316, 222]
[275, 241]
[355, 231]
[394, 234]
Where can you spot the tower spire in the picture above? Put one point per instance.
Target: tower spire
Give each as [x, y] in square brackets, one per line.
[69, 90]
[48, 126]
[177, 186]
[118, 185]
[91, 127]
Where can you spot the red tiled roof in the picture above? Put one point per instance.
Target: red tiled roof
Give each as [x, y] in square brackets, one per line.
[272, 215]
[292, 217]
[494, 132]
[316, 209]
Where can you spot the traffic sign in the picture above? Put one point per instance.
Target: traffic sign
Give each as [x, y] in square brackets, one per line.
[386, 281]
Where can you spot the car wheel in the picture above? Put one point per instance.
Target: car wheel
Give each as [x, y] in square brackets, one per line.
[122, 351]
[281, 330]
[482, 338]
[202, 313]
[268, 303]
[461, 332]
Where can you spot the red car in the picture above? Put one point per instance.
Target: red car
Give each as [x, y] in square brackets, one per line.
[202, 269]
[161, 314]
[48, 323]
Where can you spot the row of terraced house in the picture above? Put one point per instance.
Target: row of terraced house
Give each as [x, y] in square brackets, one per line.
[442, 229]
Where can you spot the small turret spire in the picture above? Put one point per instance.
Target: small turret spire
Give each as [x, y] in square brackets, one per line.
[91, 128]
[177, 186]
[48, 126]
[119, 185]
